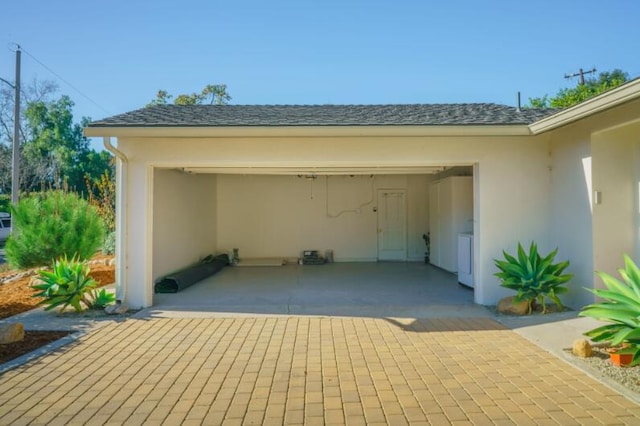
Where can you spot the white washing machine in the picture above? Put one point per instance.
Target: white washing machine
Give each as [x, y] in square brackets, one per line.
[465, 259]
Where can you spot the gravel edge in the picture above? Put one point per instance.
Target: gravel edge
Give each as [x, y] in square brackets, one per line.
[625, 380]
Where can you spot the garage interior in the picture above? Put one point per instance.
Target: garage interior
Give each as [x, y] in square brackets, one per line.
[370, 222]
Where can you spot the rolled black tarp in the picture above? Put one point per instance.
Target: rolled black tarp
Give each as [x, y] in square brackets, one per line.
[182, 279]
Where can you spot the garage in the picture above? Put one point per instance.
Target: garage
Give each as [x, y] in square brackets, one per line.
[353, 220]
[358, 183]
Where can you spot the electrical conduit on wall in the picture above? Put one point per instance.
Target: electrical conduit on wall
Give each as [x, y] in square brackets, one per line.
[357, 209]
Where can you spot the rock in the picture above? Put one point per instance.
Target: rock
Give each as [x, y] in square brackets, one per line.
[11, 333]
[508, 306]
[112, 262]
[14, 277]
[116, 309]
[35, 281]
[582, 348]
[111, 309]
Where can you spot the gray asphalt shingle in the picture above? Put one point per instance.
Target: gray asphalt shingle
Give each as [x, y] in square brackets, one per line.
[324, 115]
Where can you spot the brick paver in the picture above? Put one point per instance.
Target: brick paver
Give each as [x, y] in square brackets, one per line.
[306, 370]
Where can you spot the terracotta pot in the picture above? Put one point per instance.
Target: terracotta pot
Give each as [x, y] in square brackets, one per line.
[620, 359]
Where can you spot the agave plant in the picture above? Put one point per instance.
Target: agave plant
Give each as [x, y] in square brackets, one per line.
[533, 277]
[68, 284]
[621, 308]
[102, 298]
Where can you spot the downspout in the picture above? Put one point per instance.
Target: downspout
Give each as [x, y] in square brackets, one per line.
[122, 230]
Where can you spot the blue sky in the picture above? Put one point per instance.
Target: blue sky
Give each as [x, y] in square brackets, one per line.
[119, 53]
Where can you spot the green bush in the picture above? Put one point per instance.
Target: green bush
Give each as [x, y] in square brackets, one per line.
[621, 308]
[533, 276]
[109, 244]
[52, 225]
[68, 284]
[5, 202]
[102, 196]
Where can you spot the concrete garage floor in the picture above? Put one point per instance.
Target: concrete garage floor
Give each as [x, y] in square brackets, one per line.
[401, 290]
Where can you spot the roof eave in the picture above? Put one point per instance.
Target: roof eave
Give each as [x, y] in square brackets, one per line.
[607, 100]
[305, 131]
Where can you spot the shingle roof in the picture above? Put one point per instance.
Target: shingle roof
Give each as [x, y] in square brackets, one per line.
[323, 115]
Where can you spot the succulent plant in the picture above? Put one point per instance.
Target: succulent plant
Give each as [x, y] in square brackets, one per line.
[620, 308]
[68, 284]
[533, 277]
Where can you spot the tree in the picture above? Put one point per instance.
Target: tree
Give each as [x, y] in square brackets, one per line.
[37, 90]
[32, 92]
[212, 94]
[54, 150]
[57, 151]
[592, 87]
[5, 170]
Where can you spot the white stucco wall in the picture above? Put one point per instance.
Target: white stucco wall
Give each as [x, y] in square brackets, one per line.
[571, 218]
[512, 205]
[267, 216]
[600, 153]
[184, 219]
[616, 220]
[513, 195]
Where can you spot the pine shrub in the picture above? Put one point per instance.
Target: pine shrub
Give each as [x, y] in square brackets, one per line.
[51, 225]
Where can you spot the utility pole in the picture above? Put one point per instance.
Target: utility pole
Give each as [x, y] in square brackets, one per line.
[580, 74]
[15, 159]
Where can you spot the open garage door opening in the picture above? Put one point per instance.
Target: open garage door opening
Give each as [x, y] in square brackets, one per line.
[341, 214]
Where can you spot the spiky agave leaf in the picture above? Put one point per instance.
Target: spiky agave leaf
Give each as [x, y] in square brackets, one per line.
[621, 307]
[66, 285]
[604, 333]
[102, 299]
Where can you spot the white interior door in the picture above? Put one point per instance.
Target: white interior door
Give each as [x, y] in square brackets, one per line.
[392, 224]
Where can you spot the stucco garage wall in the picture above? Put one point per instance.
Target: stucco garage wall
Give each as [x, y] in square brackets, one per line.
[512, 203]
[571, 217]
[267, 216]
[184, 219]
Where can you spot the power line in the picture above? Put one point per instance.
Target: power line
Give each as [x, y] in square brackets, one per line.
[67, 82]
[581, 74]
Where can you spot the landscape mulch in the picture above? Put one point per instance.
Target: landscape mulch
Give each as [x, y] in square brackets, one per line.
[32, 341]
[17, 296]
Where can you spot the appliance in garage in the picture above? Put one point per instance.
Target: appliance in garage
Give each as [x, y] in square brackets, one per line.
[465, 259]
[450, 214]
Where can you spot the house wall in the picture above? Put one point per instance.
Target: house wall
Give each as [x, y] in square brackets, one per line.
[184, 219]
[270, 216]
[512, 202]
[616, 175]
[600, 153]
[511, 205]
[571, 221]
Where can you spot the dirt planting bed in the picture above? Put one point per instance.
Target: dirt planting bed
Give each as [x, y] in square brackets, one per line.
[32, 341]
[17, 296]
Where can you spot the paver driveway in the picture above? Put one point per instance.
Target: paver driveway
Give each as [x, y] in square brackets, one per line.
[312, 370]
